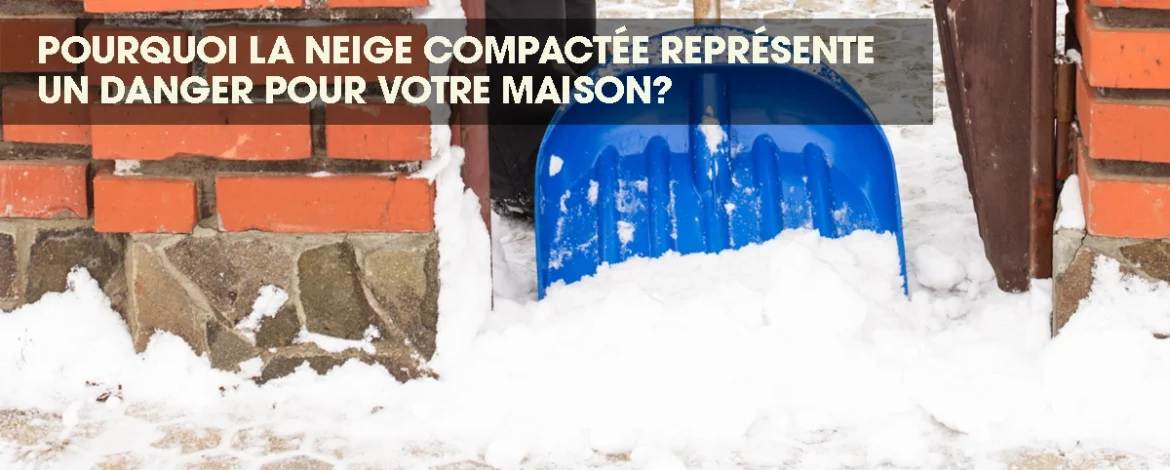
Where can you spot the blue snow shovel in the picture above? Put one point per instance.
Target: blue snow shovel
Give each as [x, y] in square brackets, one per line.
[767, 148]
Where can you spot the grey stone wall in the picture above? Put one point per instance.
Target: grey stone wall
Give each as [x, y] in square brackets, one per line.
[200, 286]
[36, 256]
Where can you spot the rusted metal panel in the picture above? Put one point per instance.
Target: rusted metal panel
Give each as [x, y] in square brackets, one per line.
[468, 130]
[474, 137]
[1043, 128]
[998, 63]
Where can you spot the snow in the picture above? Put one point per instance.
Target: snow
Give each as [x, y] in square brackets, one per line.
[336, 345]
[126, 167]
[798, 353]
[1072, 214]
[625, 231]
[554, 165]
[937, 270]
[712, 129]
[268, 302]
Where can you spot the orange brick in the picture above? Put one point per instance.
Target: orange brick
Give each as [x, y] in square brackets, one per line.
[1118, 129]
[377, 3]
[378, 132]
[127, 72]
[132, 204]
[43, 190]
[228, 132]
[126, 6]
[328, 204]
[27, 119]
[1122, 205]
[296, 36]
[1151, 4]
[1122, 58]
[20, 45]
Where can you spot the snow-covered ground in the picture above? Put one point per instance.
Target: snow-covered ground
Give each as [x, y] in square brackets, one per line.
[798, 353]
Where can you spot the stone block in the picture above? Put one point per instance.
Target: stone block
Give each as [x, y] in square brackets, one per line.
[397, 359]
[230, 270]
[9, 267]
[280, 329]
[402, 273]
[227, 348]
[1071, 286]
[1152, 257]
[332, 296]
[158, 301]
[56, 251]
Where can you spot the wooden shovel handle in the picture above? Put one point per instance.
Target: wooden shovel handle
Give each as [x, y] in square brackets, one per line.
[707, 11]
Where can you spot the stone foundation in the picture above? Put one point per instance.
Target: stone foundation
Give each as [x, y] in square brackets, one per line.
[1075, 252]
[201, 286]
[36, 256]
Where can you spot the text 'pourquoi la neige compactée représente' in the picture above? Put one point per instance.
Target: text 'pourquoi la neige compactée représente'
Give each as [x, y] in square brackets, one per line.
[621, 50]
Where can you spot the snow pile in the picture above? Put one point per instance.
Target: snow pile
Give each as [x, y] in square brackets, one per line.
[50, 350]
[268, 302]
[1072, 214]
[801, 348]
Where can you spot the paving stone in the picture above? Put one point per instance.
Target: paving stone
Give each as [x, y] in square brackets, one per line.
[266, 441]
[27, 427]
[125, 461]
[187, 439]
[332, 295]
[215, 462]
[231, 269]
[300, 462]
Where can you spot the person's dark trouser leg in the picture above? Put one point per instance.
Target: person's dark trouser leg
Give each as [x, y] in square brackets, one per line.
[514, 148]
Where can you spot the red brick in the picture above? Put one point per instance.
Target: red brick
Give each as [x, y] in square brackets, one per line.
[20, 45]
[1119, 129]
[377, 3]
[127, 72]
[27, 119]
[125, 6]
[1151, 4]
[378, 132]
[295, 37]
[1124, 205]
[1122, 58]
[247, 132]
[42, 190]
[133, 204]
[328, 204]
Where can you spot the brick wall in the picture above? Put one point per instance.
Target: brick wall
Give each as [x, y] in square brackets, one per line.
[181, 224]
[1122, 147]
[1124, 117]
